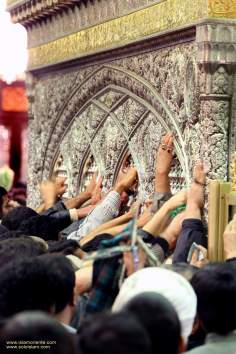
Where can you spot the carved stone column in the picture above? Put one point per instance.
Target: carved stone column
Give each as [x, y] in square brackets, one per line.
[217, 59]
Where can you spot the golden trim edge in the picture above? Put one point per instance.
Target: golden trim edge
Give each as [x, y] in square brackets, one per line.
[172, 14]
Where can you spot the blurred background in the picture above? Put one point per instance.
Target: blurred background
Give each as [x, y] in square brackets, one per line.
[13, 106]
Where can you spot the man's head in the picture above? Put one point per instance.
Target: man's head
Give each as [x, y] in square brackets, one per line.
[167, 283]
[22, 247]
[32, 327]
[43, 283]
[113, 333]
[42, 226]
[215, 286]
[16, 216]
[160, 319]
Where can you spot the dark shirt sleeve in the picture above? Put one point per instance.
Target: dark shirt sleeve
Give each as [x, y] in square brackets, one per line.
[192, 231]
[59, 213]
[232, 261]
[59, 206]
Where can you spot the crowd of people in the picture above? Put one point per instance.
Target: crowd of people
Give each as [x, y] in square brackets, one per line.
[91, 276]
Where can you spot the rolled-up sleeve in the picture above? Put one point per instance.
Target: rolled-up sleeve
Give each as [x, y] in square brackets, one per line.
[105, 211]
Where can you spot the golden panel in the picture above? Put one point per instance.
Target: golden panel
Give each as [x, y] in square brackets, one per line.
[222, 8]
[166, 15]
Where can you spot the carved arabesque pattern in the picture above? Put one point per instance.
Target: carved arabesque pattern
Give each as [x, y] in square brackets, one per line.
[134, 101]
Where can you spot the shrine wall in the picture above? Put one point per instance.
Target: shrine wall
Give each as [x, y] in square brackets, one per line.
[93, 101]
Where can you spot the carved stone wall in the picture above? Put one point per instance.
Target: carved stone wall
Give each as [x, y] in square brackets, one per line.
[107, 109]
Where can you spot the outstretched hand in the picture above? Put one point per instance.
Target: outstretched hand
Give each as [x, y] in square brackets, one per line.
[60, 186]
[127, 180]
[164, 155]
[196, 191]
[95, 189]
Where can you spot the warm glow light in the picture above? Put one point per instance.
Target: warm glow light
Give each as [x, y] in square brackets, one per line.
[13, 44]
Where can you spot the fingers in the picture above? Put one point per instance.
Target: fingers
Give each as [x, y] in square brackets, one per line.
[199, 173]
[167, 142]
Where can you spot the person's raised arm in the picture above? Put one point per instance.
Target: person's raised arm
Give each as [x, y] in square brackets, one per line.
[160, 219]
[195, 195]
[163, 164]
[81, 198]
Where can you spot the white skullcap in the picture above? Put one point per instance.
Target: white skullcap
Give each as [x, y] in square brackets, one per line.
[171, 285]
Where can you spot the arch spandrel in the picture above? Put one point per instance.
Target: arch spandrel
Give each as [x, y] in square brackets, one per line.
[110, 119]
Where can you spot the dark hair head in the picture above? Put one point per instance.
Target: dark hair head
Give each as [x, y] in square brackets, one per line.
[22, 247]
[43, 283]
[184, 269]
[32, 327]
[42, 226]
[113, 333]
[11, 234]
[15, 217]
[215, 287]
[160, 319]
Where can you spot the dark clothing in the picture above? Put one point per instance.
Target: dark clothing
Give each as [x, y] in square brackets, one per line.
[44, 226]
[58, 212]
[3, 229]
[192, 231]
[71, 228]
[95, 243]
[232, 261]
[105, 285]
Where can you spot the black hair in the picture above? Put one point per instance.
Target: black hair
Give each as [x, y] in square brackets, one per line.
[28, 329]
[15, 217]
[63, 278]
[113, 333]
[42, 226]
[215, 287]
[43, 283]
[22, 247]
[160, 319]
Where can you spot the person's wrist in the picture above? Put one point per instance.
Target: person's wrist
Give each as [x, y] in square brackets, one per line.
[162, 173]
[193, 203]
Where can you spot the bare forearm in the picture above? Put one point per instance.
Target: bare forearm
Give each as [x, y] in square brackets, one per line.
[115, 230]
[83, 212]
[159, 221]
[77, 201]
[192, 210]
[162, 183]
[121, 220]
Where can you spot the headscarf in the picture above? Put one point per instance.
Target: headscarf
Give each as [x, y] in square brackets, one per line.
[167, 283]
